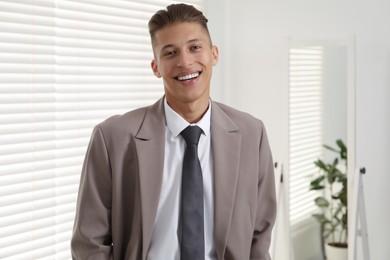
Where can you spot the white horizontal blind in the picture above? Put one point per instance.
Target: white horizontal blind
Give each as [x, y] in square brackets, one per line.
[305, 133]
[64, 67]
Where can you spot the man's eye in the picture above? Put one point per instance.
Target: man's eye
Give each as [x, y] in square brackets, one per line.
[196, 47]
[169, 53]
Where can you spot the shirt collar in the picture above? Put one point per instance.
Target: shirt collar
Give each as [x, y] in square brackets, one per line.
[176, 123]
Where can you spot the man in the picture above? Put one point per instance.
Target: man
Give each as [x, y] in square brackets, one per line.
[131, 202]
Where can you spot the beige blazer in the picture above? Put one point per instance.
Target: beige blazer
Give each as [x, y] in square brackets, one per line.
[121, 182]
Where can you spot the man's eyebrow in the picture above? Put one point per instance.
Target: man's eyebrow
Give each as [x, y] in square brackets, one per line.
[166, 46]
[194, 40]
[190, 41]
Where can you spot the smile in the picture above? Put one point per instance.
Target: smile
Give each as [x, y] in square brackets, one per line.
[188, 76]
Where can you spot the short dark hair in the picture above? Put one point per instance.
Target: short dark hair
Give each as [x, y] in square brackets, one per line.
[176, 13]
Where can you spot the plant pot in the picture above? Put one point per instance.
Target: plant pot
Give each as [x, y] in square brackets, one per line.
[336, 252]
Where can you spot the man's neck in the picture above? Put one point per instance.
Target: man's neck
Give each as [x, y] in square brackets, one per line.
[192, 112]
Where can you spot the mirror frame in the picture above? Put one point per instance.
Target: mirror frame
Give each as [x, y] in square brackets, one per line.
[349, 43]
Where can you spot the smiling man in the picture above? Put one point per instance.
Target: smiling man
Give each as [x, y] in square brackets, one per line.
[185, 178]
[184, 57]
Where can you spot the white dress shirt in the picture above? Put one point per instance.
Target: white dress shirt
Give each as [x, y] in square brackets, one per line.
[165, 243]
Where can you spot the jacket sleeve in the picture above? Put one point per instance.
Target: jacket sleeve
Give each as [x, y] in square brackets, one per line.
[266, 202]
[92, 227]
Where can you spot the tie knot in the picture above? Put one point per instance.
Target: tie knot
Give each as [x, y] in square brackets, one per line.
[191, 134]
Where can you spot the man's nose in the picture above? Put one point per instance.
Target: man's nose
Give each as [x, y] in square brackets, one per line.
[185, 59]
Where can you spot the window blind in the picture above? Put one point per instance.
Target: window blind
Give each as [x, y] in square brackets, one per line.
[305, 134]
[64, 67]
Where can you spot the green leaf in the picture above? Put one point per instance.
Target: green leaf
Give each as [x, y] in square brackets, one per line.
[343, 149]
[320, 164]
[317, 187]
[345, 220]
[316, 184]
[321, 218]
[343, 195]
[331, 175]
[331, 148]
[317, 180]
[321, 202]
[342, 177]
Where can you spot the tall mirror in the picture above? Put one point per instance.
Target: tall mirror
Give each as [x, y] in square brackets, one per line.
[321, 111]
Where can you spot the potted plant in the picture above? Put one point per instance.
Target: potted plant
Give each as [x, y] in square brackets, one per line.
[332, 178]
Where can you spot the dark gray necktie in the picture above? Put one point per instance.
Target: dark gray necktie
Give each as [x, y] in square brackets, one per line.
[192, 243]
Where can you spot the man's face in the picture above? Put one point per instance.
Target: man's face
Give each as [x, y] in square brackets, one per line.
[184, 58]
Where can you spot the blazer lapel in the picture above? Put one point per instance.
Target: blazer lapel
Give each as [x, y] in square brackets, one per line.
[150, 142]
[226, 147]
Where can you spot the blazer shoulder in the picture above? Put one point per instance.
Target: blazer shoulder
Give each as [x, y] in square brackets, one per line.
[148, 120]
[240, 118]
[129, 122]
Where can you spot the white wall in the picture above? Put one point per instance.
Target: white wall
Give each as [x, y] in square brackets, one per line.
[252, 76]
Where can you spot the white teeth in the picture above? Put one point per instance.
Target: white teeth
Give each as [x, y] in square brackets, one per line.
[189, 76]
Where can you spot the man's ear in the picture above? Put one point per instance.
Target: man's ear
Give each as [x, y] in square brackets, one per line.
[215, 54]
[154, 66]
